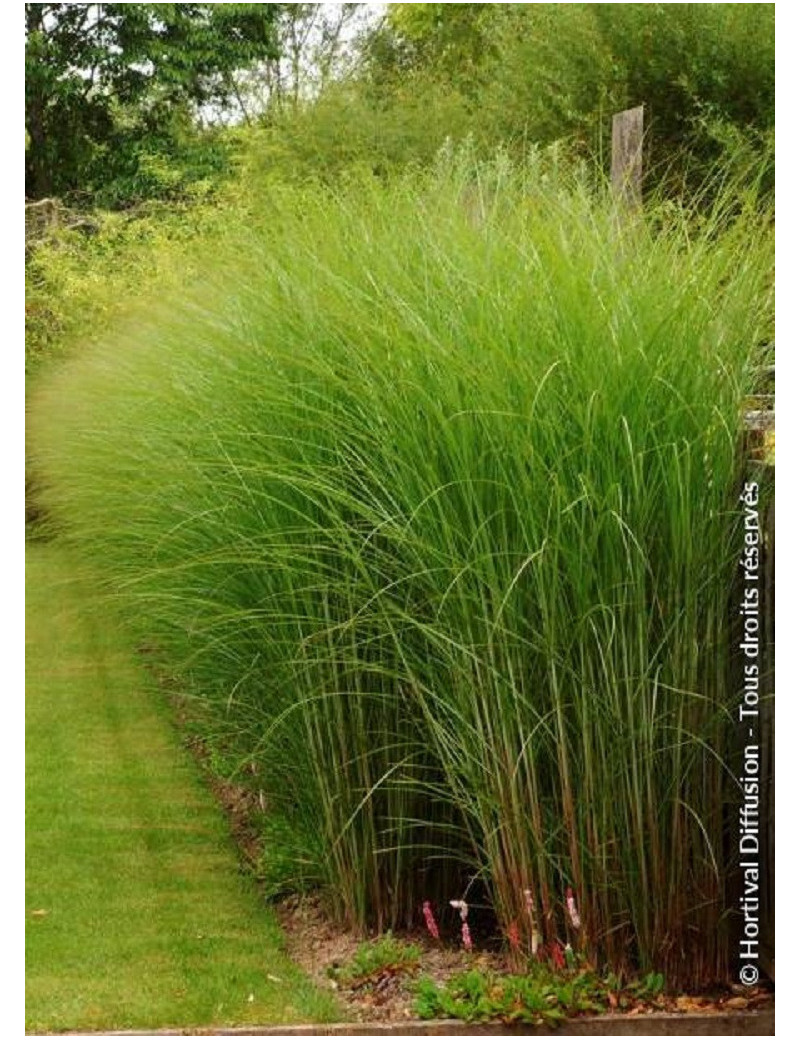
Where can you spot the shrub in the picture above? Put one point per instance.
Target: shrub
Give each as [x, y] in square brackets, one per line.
[83, 273]
[536, 73]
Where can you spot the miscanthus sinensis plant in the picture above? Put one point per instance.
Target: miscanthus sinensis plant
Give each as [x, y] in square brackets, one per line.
[428, 490]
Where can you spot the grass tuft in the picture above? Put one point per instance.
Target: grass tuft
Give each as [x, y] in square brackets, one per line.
[429, 491]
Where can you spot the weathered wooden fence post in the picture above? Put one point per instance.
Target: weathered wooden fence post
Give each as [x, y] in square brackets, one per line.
[627, 135]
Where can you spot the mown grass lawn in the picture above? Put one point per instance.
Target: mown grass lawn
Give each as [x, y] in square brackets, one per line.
[137, 913]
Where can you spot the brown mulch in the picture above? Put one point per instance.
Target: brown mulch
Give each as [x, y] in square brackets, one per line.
[315, 943]
[318, 946]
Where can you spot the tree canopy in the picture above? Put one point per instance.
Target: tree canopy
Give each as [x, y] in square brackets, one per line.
[534, 73]
[119, 97]
[103, 78]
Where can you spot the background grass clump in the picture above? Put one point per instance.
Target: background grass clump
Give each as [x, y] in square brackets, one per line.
[429, 491]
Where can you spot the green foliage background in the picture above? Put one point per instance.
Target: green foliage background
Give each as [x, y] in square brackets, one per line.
[518, 76]
[113, 90]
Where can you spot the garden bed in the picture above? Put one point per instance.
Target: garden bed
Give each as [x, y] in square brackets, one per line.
[387, 995]
[381, 999]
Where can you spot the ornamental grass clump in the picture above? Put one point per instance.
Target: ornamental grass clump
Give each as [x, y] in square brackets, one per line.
[428, 492]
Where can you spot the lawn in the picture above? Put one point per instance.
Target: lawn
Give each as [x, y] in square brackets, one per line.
[138, 914]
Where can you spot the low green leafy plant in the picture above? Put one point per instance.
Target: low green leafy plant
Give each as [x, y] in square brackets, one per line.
[650, 986]
[378, 957]
[540, 997]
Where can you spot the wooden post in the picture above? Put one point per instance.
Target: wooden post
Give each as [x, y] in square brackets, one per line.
[627, 133]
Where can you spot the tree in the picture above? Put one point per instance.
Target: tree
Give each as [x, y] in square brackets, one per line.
[534, 73]
[98, 72]
[451, 36]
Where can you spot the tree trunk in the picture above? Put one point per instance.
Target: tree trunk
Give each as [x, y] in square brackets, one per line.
[38, 176]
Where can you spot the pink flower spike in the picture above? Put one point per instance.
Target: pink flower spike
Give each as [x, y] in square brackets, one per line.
[466, 938]
[513, 936]
[572, 910]
[430, 920]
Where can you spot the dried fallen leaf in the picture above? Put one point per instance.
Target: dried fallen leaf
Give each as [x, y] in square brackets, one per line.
[39, 913]
[737, 1003]
[688, 1004]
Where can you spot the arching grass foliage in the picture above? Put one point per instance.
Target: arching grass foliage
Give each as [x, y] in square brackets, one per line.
[429, 491]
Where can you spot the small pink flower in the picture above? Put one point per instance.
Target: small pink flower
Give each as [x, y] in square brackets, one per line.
[430, 920]
[466, 938]
[572, 910]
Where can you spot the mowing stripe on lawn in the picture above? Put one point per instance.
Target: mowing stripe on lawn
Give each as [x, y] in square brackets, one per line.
[136, 909]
